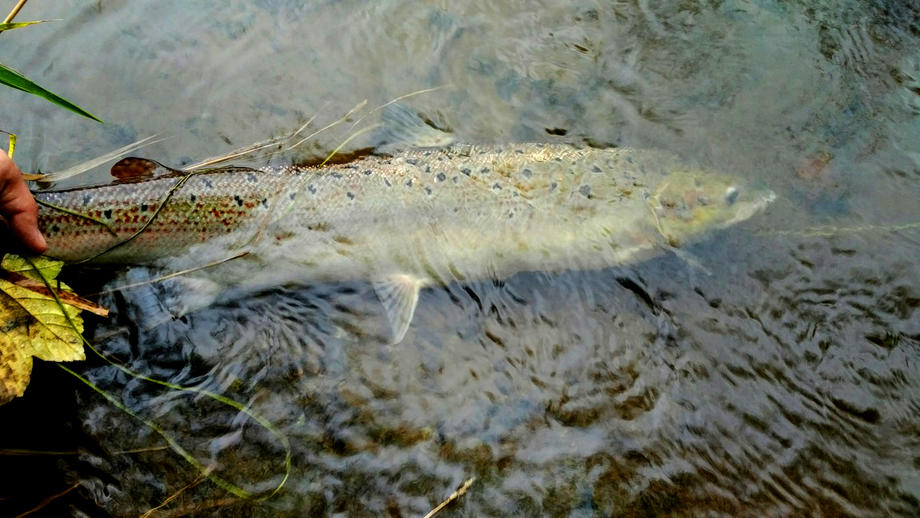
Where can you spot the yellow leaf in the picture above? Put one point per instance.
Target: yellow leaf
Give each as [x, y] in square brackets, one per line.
[15, 367]
[32, 324]
[49, 268]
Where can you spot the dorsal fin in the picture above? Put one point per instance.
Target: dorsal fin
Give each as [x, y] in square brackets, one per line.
[404, 128]
[134, 168]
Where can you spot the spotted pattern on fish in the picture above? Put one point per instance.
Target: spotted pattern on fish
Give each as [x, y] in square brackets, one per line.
[503, 210]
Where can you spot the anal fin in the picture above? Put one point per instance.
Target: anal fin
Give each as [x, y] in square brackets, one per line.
[399, 295]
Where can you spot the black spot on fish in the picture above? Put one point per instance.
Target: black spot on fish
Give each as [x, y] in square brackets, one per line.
[207, 183]
[596, 169]
[311, 189]
[55, 228]
[368, 172]
[510, 214]
[350, 195]
[465, 170]
[238, 200]
[409, 182]
[252, 178]
[585, 191]
[86, 199]
[527, 173]
[456, 179]
[387, 182]
[265, 202]
[427, 168]
[193, 198]
[428, 190]
[553, 186]
[107, 213]
[441, 177]
[496, 187]
[519, 151]
[335, 174]
[412, 161]
[484, 170]
[292, 195]
[144, 207]
[556, 131]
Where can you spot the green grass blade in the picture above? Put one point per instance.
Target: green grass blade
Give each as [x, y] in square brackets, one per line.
[12, 143]
[14, 79]
[11, 26]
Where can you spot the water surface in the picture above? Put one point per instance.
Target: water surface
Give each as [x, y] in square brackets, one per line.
[784, 383]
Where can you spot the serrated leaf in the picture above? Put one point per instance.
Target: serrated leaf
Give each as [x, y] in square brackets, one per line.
[36, 269]
[33, 323]
[15, 368]
[14, 79]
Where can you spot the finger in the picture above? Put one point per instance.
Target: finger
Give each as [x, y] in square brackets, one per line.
[18, 206]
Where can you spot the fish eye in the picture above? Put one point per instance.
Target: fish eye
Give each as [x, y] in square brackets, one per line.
[731, 195]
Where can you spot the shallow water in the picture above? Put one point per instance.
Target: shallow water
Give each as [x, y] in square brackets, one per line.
[784, 383]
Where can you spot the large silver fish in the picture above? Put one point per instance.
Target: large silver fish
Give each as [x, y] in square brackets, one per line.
[428, 216]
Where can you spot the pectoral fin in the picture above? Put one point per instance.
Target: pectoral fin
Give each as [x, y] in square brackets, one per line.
[399, 295]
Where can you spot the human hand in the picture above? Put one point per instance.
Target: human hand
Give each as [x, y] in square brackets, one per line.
[18, 206]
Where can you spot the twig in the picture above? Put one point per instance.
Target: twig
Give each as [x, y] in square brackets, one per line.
[455, 495]
[15, 11]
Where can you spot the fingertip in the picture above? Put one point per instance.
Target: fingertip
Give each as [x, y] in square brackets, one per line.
[26, 230]
[39, 245]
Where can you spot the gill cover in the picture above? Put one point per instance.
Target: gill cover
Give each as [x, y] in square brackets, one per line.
[690, 203]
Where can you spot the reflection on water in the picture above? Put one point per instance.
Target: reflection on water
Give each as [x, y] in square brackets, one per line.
[784, 383]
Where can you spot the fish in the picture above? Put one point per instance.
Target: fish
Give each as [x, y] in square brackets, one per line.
[402, 221]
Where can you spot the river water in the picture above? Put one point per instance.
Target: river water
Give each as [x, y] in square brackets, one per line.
[784, 383]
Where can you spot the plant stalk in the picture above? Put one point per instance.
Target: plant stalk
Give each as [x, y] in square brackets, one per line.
[15, 11]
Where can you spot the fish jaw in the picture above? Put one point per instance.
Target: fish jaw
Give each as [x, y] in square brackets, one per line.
[691, 204]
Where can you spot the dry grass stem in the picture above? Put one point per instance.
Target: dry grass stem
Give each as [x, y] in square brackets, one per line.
[175, 495]
[48, 500]
[15, 11]
[15, 452]
[174, 274]
[455, 495]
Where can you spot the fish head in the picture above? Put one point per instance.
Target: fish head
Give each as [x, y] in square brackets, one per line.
[690, 203]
